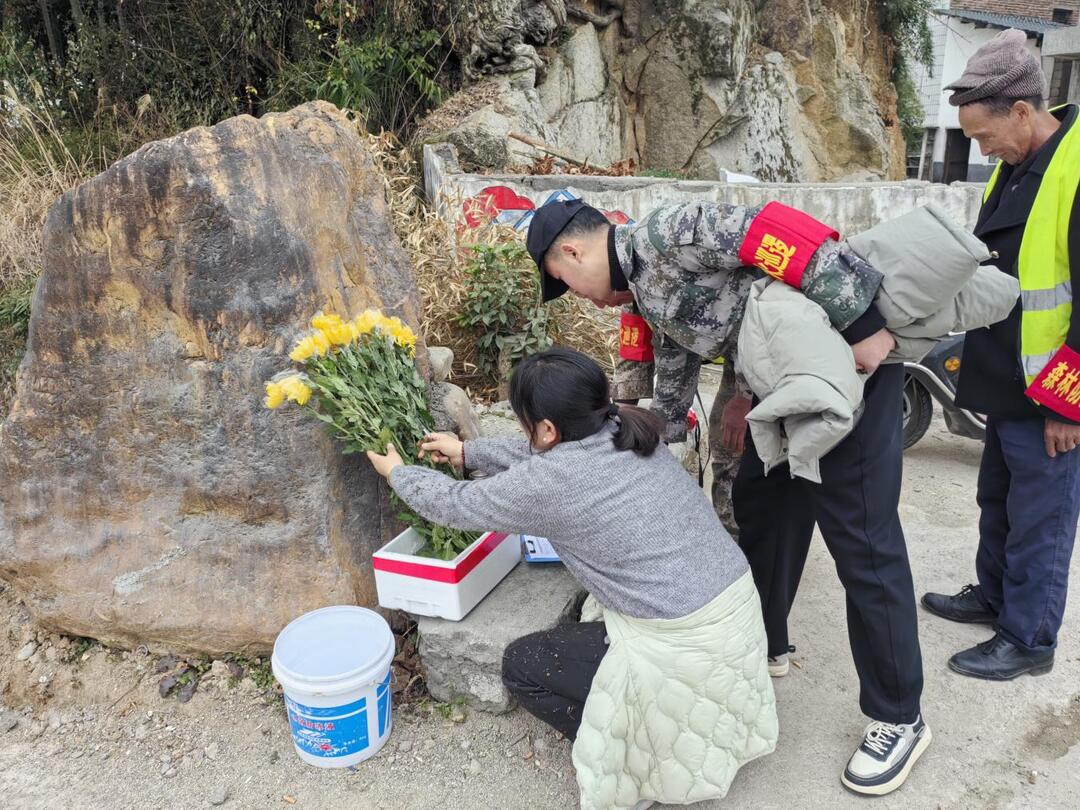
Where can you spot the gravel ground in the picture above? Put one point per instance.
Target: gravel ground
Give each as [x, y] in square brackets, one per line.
[84, 727]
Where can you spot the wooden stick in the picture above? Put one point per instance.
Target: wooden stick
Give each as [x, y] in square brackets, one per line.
[544, 147]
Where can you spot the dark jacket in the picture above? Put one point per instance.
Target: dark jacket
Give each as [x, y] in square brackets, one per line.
[991, 377]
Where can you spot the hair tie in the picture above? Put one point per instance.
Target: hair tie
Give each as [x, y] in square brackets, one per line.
[612, 410]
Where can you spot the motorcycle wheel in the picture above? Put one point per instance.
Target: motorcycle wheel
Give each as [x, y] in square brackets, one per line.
[918, 411]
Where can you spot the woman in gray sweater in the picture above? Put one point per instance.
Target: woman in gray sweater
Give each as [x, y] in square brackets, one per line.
[626, 519]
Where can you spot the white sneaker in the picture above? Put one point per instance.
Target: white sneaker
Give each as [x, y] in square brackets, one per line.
[780, 664]
[883, 761]
[644, 804]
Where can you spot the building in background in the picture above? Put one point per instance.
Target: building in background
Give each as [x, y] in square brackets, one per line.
[959, 28]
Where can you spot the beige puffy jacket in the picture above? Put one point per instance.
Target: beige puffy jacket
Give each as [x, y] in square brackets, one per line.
[803, 371]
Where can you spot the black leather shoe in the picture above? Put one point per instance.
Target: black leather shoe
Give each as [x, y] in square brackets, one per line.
[966, 606]
[998, 659]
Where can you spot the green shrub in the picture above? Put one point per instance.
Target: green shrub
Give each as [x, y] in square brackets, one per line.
[906, 23]
[502, 302]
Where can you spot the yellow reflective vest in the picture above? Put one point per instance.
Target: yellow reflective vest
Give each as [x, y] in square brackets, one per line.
[1043, 265]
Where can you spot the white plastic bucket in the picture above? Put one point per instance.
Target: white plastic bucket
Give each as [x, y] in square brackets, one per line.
[334, 665]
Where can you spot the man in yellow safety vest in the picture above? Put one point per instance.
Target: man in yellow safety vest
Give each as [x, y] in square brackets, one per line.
[1024, 372]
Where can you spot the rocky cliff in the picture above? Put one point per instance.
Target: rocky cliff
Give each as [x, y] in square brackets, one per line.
[785, 90]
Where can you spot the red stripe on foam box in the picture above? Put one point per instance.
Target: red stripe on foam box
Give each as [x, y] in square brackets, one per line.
[437, 573]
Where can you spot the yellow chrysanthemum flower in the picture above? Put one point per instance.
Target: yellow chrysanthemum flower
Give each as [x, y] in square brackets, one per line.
[295, 390]
[339, 334]
[325, 322]
[321, 343]
[275, 395]
[304, 348]
[366, 321]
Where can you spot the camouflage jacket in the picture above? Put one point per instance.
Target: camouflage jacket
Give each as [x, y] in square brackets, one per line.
[683, 268]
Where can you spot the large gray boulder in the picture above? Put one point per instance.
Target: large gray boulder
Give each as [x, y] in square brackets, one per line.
[148, 496]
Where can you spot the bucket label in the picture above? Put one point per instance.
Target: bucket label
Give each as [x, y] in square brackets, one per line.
[329, 731]
[382, 694]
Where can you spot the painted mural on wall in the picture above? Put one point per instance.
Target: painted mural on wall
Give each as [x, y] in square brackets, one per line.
[504, 205]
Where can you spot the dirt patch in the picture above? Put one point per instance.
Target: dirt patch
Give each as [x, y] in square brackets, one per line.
[1055, 731]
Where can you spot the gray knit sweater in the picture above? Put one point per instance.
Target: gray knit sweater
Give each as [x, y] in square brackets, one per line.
[636, 531]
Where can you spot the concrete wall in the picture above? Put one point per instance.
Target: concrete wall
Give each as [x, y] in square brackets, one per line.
[1062, 42]
[849, 207]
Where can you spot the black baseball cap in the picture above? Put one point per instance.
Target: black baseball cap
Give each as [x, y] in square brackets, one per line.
[547, 223]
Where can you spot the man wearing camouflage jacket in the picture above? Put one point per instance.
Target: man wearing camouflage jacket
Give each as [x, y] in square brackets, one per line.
[688, 269]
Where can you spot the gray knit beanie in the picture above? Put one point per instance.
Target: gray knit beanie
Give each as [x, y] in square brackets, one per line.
[1001, 67]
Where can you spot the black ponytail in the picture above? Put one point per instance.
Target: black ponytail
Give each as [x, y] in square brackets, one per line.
[571, 390]
[639, 430]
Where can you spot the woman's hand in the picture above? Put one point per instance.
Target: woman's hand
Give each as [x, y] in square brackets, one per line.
[384, 465]
[444, 449]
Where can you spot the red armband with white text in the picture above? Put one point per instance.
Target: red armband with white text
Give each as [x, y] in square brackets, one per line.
[635, 338]
[1057, 386]
[782, 240]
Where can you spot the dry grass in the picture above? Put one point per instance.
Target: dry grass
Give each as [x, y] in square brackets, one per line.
[440, 251]
[36, 168]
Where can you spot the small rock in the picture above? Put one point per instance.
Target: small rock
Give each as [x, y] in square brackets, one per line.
[197, 757]
[248, 685]
[465, 745]
[54, 721]
[404, 747]
[219, 797]
[141, 731]
[390, 760]
[8, 721]
[165, 766]
[474, 767]
[169, 774]
[457, 715]
[51, 654]
[166, 685]
[288, 799]
[440, 358]
[274, 756]
[219, 670]
[211, 751]
[29, 648]
[1032, 777]
[187, 690]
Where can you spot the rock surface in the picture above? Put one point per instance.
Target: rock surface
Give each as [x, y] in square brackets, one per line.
[783, 90]
[453, 411]
[148, 496]
[463, 660]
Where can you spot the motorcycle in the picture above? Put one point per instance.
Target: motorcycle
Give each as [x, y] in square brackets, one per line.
[934, 378]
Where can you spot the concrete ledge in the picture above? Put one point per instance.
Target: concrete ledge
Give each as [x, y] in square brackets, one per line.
[463, 660]
[850, 207]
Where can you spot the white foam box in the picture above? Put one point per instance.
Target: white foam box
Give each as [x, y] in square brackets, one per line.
[448, 589]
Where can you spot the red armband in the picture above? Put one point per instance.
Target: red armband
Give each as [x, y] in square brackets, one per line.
[1057, 386]
[782, 240]
[635, 338]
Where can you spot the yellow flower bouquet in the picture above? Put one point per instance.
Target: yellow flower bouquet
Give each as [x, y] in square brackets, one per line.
[359, 378]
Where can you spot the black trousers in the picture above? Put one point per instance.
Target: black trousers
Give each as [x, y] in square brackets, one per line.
[856, 508]
[550, 672]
